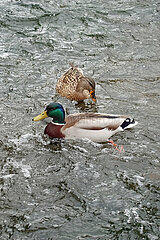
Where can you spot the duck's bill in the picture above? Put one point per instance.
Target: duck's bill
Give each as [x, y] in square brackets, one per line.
[41, 116]
[94, 99]
[93, 96]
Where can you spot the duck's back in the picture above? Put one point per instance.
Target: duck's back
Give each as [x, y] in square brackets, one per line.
[68, 82]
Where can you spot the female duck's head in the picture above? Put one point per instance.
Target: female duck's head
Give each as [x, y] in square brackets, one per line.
[53, 110]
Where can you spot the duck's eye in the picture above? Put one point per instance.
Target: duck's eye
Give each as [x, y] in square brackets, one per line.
[50, 109]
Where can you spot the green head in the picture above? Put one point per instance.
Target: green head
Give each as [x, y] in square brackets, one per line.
[53, 110]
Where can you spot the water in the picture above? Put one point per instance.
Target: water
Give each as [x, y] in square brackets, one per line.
[79, 189]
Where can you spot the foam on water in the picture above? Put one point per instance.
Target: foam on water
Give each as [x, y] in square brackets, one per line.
[26, 138]
[23, 139]
[139, 180]
[79, 189]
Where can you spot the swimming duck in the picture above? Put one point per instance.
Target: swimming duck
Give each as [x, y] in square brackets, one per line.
[97, 127]
[75, 86]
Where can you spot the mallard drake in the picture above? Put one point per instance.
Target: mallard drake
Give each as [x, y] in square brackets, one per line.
[75, 86]
[97, 127]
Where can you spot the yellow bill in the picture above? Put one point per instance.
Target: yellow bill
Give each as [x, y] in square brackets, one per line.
[41, 116]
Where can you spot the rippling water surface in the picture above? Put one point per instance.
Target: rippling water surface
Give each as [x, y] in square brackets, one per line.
[79, 189]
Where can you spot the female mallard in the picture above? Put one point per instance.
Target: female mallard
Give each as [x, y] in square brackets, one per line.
[75, 86]
[94, 126]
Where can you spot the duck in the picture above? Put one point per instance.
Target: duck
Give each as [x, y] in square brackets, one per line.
[75, 86]
[97, 127]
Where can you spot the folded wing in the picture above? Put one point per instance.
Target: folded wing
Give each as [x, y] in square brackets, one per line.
[94, 121]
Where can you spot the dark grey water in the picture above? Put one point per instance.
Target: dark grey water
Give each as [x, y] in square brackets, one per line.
[79, 189]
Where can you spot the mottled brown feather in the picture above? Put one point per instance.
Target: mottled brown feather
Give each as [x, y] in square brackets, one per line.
[73, 83]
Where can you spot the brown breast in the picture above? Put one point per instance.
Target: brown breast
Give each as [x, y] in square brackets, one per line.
[54, 130]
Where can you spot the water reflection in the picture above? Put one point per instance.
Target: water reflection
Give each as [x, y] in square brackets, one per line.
[87, 106]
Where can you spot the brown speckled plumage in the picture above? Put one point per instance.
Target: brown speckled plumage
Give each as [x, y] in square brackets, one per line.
[74, 85]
